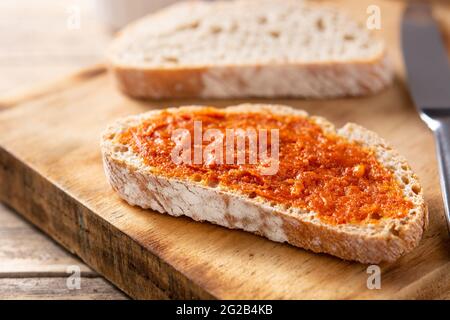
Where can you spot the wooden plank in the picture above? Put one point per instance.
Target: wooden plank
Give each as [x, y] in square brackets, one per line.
[32, 266]
[48, 288]
[49, 155]
[26, 252]
[10, 100]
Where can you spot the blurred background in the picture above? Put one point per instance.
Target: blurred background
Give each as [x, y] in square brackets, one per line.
[44, 39]
[40, 41]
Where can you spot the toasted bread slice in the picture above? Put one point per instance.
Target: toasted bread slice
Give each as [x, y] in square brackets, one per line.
[242, 48]
[365, 237]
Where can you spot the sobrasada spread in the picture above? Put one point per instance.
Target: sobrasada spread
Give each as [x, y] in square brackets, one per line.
[340, 180]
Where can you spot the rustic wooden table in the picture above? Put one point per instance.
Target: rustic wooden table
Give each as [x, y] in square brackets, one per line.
[41, 41]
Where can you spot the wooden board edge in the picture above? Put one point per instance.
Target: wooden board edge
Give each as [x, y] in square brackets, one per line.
[102, 246]
[49, 288]
[53, 86]
[433, 285]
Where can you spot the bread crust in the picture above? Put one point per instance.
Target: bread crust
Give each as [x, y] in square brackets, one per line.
[320, 80]
[367, 243]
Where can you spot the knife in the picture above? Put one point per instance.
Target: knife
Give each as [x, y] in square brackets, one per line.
[428, 74]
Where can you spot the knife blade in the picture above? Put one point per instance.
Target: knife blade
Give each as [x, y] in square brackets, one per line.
[428, 74]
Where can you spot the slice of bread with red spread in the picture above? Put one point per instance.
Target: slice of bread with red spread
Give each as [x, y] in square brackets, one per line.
[344, 191]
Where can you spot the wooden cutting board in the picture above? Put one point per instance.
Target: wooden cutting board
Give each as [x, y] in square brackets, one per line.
[51, 172]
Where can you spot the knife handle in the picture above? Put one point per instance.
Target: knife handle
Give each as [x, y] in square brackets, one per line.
[442, 135]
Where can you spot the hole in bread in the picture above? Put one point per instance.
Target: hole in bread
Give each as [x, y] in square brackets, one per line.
[416, 189]
[213, 182]
[170, 59]
[262, 20]
[215, 29]
[120, 148]
[111, 136]
[375, 216]
[404, 167]
[394, 231]
[192, 25]
[274, 34]
[320, 24]
[405, 179]
[349, 37]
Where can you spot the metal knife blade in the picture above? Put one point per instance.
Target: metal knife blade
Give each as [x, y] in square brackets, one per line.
[428, 74]
[425, 58]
